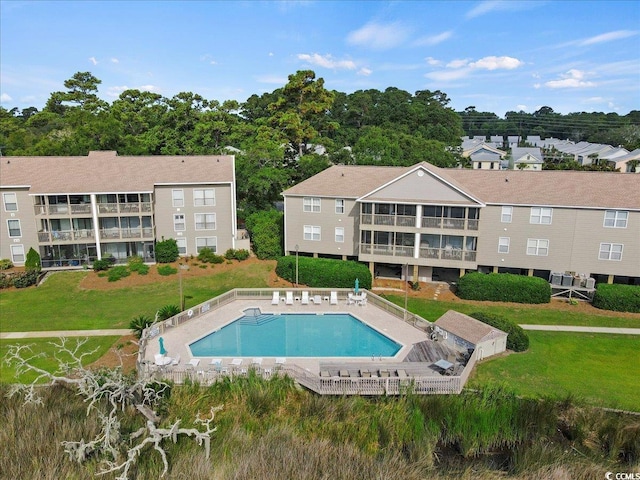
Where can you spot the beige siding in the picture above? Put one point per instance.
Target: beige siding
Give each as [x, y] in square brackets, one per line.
[327, 219]
[28, 228]
[574, 240]
[164, 215]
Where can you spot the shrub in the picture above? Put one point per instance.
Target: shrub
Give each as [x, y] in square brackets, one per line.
[517, 338]
[139, 323]
[324, 272]
[136, 264]
[6, 281]
[32, 262]
[116, 273]
[25, 279]
[168, 311]
[99, 265]
[239, 255]
[503, 287]
[266, 229]
[5, 264]
[207, 255]
[619, 298]
[166, 270]
[167, 251]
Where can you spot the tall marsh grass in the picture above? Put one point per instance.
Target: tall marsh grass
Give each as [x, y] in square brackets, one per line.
[274, 430]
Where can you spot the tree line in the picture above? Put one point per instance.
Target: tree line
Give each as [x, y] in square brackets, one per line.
[285, 136]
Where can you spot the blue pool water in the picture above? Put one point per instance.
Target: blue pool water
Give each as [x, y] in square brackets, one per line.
[295, 335]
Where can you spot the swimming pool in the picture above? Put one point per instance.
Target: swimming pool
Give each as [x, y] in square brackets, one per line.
[295, 335]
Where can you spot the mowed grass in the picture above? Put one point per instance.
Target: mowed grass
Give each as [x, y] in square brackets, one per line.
[599, 369]
[60, 303]
[47, 361]
[519, 313]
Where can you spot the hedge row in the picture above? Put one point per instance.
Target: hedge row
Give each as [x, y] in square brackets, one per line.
[517, 338]
[19, 279]
[619, 298]
[324, 272]
[504, 287]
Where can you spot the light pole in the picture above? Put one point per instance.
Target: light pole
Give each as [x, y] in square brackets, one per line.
[406, 289]
[180, 268]
[297, 247]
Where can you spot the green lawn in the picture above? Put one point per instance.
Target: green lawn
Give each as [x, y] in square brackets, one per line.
[59, 303]
[599, 369]
[521, 314]
[43, 345]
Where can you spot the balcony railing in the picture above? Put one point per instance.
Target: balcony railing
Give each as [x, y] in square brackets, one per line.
[447, 254]
[449, 223]
[389, 250]
[125, 233]
[66, 235]
[388, 220]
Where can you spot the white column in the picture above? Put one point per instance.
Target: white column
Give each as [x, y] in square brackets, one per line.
[96, 226]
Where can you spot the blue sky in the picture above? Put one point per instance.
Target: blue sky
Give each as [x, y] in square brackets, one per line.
[495, 55]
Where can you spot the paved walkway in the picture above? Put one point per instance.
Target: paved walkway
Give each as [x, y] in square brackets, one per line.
[122, 332]
[570, 328]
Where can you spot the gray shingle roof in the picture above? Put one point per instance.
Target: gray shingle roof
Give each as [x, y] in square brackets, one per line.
[468, 328]
[108, 172]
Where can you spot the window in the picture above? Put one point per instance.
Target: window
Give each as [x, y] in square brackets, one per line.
[205, 221]
[610, 251]
[182, 245]
[311, 204]
[537, 247]
[615, 219]
[541, 215]
[10, 202]
[206, 196]
[507, 214]
[177, 197]
[14, 228]
[340, 234]
[178, 222]
[207, 242]
[503, 244]
[17, 253]
[311, 232]
[339, 205]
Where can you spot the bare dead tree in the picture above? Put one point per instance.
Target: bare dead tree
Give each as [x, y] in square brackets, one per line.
[110, 393]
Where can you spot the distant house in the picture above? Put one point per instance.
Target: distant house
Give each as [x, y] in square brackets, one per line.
[527, 158]
[484, 156]
[628, 163]
[467, 332]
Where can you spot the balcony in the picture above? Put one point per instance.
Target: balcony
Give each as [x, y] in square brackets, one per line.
[66, 236]
[449, 223]
[387, 250]
[447, 253]
[125, 233]
[144, 207]
[388, 220]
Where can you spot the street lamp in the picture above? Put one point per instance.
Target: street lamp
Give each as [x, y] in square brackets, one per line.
[296, 247]
[180, 268]
[406, 289]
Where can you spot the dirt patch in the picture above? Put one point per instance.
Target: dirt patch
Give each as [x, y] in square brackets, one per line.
[93, 280]
[123, 353]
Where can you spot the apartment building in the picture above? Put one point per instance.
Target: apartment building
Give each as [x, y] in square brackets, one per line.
[73, 210]
[430, 223]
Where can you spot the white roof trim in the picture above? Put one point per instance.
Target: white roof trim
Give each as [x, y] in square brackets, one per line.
[429, 172]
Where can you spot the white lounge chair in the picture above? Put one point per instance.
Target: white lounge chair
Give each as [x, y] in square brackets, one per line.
[194, 362]
[176, 360]
[317, 299]
[289, 298]
[333, 299]
[275, 300]
[305, 298]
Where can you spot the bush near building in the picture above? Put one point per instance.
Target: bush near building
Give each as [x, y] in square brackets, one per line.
[619, 298]
[503, 287]
[324, 272]
[517, 338]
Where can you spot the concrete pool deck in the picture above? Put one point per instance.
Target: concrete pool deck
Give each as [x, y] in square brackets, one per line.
[177, 340]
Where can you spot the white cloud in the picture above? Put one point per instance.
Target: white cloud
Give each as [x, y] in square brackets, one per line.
[378, 36]
[432, 61]
[365, 72]
[572, 79]
[93, 60]
[458, 63]
[497, 63]
[448, 75]
[326, 61]
[489, 6]
[115, 91]
[5, 98]
[115, 60]
[607, 37]
[434, 39]
[521, 108]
